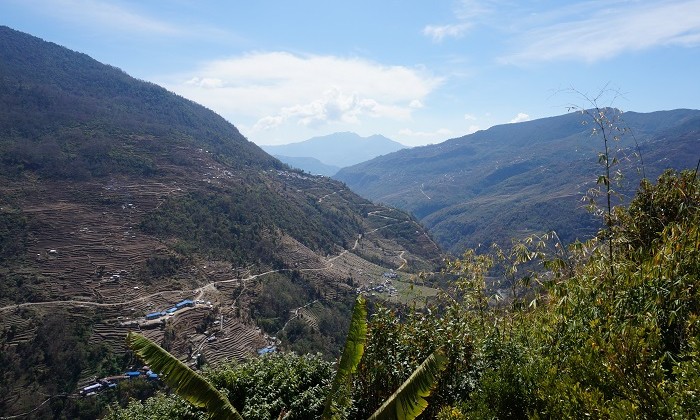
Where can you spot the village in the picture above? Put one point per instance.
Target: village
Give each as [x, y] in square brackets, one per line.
[386, 285]
[111, 382]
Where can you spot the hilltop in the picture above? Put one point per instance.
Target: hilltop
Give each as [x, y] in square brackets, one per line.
[518, 179]
[119, 199]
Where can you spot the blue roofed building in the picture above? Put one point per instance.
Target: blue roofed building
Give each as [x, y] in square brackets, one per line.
[184, 303]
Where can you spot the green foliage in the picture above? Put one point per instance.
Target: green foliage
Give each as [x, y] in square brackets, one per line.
[408, 402]
[159, 407]
[242, 223]
[13, 234]
[563, 340]
[338, 398]
[399, 342]
[185, 382]
[62, 112]
[514, 180]
[601, 348]
[163, 265]
[265, 387]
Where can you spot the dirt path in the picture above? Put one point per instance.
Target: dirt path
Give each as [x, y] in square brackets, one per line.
[296, 315]
[328, 195]
[199, 292]
[405, 261]
[423, 192]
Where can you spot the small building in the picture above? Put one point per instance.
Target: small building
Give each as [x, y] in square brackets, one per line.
[91, 389]
[154, 315]
[132, 374]
[185, 303]
[171, 311]
[266, 350]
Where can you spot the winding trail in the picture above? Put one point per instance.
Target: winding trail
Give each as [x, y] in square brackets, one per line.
[423, 192]
[201, 290]
[328, 195]
[405, 261]
[296, 315]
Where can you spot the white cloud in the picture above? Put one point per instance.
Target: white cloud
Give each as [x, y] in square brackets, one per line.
[610, 29]
[105, 14]
[520, 118]
[334, 106]
[438, 33]
[276, 88]
[442, 132]
[467, 13]
[473, 129]
[133, 20]
[209, 83]
[469, 117]
[471, 9]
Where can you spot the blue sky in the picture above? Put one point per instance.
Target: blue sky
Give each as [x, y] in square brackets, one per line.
[417, 72]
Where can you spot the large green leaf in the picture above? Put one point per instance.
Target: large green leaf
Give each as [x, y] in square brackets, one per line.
[409, 400]
[186, 382]
[338, 397]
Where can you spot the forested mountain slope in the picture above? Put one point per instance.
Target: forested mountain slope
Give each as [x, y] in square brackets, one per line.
[119, 199]
[516, 179]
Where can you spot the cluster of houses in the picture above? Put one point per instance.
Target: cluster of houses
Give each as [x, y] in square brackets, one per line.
[288, 174]
[385, 286]
[182, 304]
[111, 382]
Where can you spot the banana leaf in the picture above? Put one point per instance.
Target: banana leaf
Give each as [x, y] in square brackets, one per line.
[409, 400]
[183, 380]
[338, 397]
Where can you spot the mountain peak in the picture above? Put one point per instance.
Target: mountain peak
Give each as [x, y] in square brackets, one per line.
[338, 149]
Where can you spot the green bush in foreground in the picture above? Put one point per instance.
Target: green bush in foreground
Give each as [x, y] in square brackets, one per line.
[573, 338]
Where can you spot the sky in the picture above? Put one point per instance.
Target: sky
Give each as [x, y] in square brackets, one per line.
[417, 72]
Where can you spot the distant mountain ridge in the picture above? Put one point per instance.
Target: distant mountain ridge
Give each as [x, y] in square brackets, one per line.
[515, 179]
[337, 149]
[309, 164]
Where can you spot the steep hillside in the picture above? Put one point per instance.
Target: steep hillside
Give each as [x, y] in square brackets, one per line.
[309, 164]
[338, 149]
[119, 199]
[516, 179]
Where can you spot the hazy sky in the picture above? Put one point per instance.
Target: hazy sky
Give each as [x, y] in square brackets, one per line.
[415, 71]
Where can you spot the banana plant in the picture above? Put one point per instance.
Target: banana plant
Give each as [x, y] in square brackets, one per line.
[409, 401]
[338, 397]
[184, 381]
[406, 403]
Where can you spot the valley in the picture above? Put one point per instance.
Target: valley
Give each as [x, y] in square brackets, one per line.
[87, 257]
[127, 208]
[119, 199]
[514, 180]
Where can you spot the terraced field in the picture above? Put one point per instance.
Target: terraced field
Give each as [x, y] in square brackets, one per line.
[87, 259]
